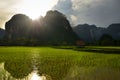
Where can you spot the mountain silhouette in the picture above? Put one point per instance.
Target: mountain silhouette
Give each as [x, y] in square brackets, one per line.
[2, 33]
[53, 29]
[92, 33]
[114, 31]
[17, 27]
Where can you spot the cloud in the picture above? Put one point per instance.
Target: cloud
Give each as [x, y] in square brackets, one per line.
[73, 18]
[64, 6]
[11, 7]
[99, 12]
[8, 9]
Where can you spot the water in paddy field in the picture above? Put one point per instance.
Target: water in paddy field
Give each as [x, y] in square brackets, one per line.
[22, 69]
[5, 75]
[37, 67]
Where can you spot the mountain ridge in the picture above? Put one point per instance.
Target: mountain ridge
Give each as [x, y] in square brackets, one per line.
[91, 33]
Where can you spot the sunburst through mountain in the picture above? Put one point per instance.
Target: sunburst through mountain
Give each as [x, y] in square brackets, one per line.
[36, 8]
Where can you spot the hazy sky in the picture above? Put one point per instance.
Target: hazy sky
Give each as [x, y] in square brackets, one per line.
[99, 12]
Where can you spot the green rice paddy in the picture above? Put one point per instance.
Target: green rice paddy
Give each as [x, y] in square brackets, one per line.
[61, 63]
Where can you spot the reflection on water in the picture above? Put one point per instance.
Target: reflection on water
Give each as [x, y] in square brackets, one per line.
[74, 72]
[54, 68]
[4, 75]
[35, 76]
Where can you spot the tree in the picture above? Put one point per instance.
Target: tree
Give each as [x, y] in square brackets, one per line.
[106, 40]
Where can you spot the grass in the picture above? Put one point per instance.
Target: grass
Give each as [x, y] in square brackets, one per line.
[63, 63]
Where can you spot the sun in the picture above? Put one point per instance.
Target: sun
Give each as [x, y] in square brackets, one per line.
[36, 8]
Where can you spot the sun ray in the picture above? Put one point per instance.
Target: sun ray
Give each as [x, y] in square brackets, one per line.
[36, 8]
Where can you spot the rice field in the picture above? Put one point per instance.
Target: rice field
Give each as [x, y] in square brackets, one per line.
[60, 63]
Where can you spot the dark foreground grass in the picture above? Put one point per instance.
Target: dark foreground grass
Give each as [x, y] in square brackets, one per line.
[69, 63]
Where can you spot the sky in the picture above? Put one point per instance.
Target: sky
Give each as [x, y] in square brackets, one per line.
[102, 13]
